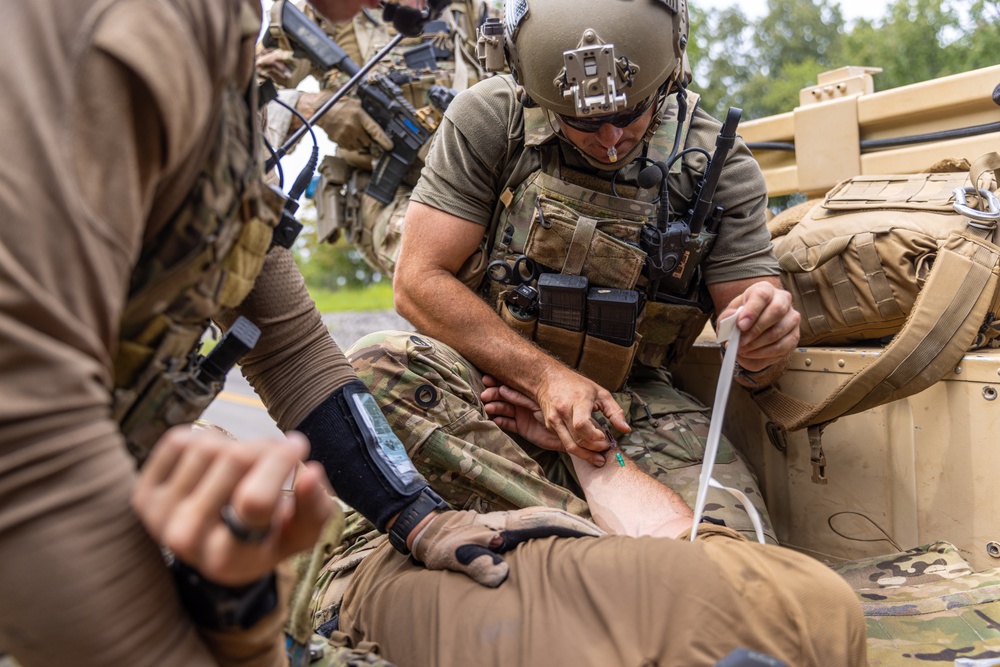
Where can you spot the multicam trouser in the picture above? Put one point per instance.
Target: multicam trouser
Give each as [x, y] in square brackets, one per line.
[339, 651]
[430, 395]
[373, 228]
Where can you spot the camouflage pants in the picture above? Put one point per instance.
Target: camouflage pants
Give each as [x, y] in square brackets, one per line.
[379, 231]
[430, 396]
[373, 228]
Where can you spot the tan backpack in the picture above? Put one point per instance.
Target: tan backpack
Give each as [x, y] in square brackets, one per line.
[912, 257]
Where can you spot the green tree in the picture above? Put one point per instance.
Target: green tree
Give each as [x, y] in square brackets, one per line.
[918, 40]
[794, 31]
[721, 54]
[328, 266]
[761, 65]
[979, 46]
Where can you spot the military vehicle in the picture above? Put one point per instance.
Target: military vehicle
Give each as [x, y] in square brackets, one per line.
[900, 498]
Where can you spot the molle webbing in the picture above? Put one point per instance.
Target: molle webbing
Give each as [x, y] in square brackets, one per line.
[569, 222]
[895, 256]
[206, 258]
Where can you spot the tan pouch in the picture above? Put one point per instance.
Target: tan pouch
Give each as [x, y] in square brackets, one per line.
[891, 256]
[563, 344]
[856, 263]
[667, 332]
[606, 363]
[567, 242]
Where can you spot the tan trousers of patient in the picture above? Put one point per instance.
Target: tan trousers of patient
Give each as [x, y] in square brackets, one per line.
[611, 601]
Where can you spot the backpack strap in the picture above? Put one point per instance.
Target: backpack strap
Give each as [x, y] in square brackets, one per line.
[938, 332]
[983, 165]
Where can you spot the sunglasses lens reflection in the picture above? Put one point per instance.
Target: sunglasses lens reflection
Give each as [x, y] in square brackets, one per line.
[619, 120]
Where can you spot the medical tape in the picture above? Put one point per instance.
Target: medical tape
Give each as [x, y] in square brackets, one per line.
[726, 332]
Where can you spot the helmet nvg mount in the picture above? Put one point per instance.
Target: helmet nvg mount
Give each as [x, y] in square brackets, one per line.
[587, 59]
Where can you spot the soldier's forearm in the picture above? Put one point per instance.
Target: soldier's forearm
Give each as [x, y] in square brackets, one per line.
[626, 501]
[443, 308]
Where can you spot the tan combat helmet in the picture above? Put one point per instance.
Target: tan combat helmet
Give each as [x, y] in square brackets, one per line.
[593, 58]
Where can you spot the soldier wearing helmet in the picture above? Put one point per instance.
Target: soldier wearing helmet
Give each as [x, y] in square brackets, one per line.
[543, 356]
[539, 170]
[561, 63]
[429, 70]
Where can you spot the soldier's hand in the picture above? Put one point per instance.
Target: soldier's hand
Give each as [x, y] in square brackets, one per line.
[221, 507]
[470, 543]
[347, 124]
[568, 400]
[769, 325]
[516, 413]
[277, 65]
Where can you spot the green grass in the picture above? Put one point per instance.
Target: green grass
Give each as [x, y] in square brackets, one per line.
[373, 297]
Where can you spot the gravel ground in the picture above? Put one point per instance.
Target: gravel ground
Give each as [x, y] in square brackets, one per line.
[347, 327]
[249, 420]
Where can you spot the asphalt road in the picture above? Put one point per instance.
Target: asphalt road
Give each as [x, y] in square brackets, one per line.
[239, 410]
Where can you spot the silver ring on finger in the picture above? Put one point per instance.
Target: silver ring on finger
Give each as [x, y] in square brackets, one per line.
[240, 530]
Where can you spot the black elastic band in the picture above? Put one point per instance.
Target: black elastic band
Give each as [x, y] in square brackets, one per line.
[339, 446]
[217, 607]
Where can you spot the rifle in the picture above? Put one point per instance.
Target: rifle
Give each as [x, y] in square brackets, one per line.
[675, 249]
[408, 21]
[380, 97]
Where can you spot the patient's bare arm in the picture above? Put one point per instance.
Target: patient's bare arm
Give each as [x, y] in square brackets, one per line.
[627, 501]
[623, 499]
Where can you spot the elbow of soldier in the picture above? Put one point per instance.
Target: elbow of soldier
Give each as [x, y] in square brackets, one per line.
[404, 296]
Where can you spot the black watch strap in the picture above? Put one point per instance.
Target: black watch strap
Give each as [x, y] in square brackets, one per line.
[217, 607]
[411, 515]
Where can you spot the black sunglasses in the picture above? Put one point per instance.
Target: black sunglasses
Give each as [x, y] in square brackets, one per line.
[620, 120]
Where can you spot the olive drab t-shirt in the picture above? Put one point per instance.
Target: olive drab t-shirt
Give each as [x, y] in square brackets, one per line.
[104, 127]
[479, 151]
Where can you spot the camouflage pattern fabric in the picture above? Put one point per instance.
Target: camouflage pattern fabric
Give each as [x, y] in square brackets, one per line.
[360, 539]
[217, 244]
[430, 396]
[341, 547]
[374, 228]
[379, 234]
[934, 562]
[542, 220]
[338, 651]
[935, 622]
[926, 606]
